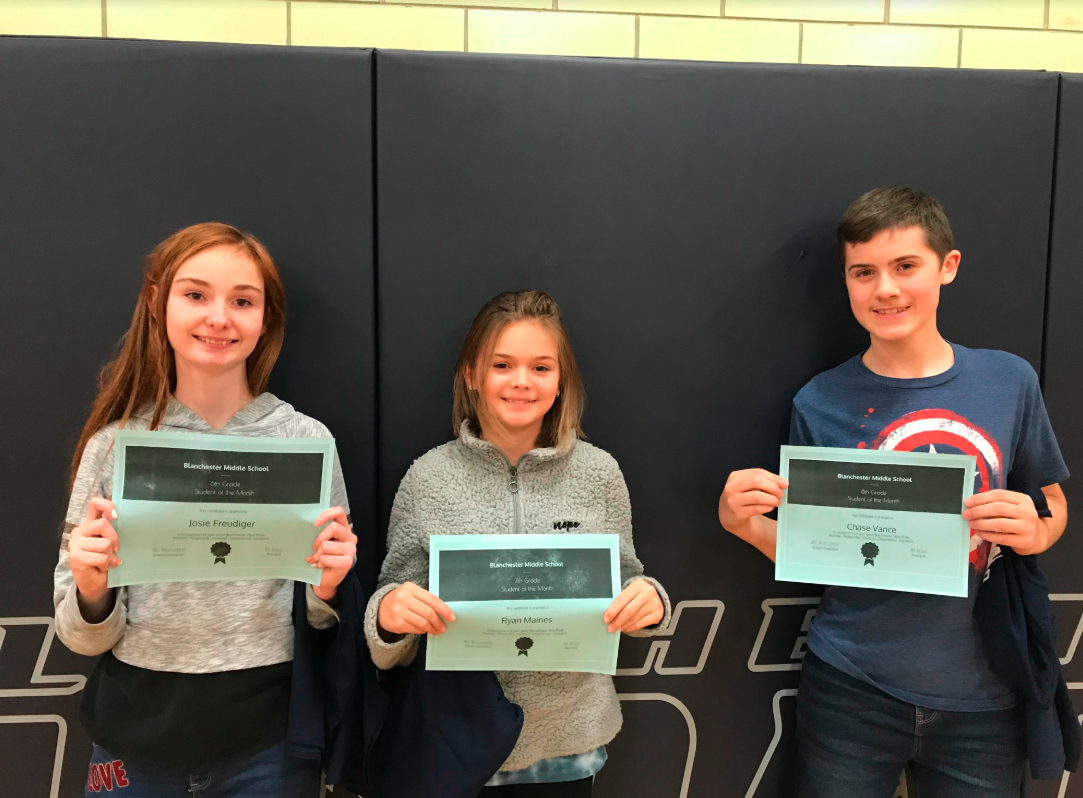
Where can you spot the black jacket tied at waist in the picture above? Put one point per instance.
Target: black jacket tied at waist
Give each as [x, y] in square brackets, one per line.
[1018, 629]
[402, 733]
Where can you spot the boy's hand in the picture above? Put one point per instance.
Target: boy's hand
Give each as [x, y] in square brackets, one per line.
[749, 493]
[1007, 518]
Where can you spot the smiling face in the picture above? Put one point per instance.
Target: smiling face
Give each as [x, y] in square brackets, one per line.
[894, 281]
[520, 382]
[214, 311]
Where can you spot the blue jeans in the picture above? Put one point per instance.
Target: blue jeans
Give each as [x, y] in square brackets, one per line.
[268, 774]
[853, 741]
[581, 788]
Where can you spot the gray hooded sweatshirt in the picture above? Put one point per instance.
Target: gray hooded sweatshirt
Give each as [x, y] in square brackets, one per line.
[467, 486]
[189, 627]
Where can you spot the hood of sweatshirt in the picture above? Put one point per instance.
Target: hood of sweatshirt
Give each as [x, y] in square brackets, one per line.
[260, 417]
[490, 454]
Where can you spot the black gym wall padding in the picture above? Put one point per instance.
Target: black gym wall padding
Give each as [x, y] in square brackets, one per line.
[1063, 383]
[106, 147]
[683, 215]
[1063, 361]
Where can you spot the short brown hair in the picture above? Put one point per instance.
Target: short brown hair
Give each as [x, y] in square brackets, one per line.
[563, 422]
[894, 208]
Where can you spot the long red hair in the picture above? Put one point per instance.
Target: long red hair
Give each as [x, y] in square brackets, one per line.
[144, 373]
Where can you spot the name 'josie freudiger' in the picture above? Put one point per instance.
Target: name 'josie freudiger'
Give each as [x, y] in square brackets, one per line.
[227, 524]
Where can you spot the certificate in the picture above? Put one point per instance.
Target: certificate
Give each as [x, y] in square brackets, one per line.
[198, 507]
[879, 519]
[525, 602]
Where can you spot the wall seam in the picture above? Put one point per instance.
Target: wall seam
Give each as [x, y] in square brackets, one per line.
[959, 56]
[289, 23]
[1049, 240]
[1045, 21]
[637, 37]
[105, 20]
[887, 11]
[801, 42]
[466, 29]
[377, 444]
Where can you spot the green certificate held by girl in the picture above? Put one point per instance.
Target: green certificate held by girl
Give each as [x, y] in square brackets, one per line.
[192, 691]
[517, 465]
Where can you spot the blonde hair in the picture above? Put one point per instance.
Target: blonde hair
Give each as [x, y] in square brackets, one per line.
[563, 422]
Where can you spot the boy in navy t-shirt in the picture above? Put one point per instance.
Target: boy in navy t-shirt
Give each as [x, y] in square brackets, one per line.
[895, 678]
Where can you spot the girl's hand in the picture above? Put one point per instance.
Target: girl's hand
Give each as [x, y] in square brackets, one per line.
[638, 605]
[747, 494]
[413, 610]
[1007, 518]
[334, 551]
[92, 552]
[92, 549]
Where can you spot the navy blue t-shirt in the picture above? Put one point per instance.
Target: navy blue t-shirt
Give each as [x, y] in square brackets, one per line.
[919, 648]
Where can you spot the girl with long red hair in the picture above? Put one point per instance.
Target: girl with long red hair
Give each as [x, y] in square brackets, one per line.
[191, 694]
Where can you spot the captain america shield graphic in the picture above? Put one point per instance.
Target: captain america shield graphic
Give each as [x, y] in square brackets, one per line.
[949, 433]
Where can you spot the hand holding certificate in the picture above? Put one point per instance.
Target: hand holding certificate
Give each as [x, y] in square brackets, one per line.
[879, 519]
[525, 602]
[196, 507]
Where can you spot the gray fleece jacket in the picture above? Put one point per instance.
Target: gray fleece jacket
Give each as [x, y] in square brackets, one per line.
[189, 627]
[467, 486]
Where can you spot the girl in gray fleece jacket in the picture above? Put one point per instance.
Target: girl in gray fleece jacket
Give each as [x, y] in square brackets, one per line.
[517, 466]
[192, 691]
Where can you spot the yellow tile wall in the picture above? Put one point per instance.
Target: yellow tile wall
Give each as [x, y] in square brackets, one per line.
[546, 4]
[1018, 49]
[1066, 14]
[51, 17]
[703, 8]
[245, 21]
[719, 39]
[1000, 13]
[820, 10]
[978, 34]
[371, 25]
[546, 33]
[880, 45]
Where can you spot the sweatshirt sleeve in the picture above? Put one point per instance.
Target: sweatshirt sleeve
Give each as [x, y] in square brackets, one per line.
[619, 521]
[407, 560]
[94, 478]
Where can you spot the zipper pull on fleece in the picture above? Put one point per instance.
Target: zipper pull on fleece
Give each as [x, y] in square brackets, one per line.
[514, 486]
